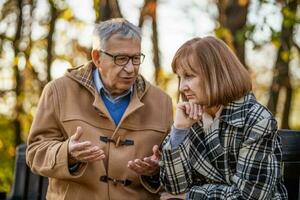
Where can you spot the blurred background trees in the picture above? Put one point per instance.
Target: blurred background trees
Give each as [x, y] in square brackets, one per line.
[40, 39]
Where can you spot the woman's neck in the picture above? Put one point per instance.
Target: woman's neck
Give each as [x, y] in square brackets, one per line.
[213, 110]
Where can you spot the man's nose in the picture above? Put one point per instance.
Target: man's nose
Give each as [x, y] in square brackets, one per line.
[129, 67]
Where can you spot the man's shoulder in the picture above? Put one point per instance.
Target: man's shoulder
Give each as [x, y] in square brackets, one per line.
[157, 95]
[156, 89]
[149, 90]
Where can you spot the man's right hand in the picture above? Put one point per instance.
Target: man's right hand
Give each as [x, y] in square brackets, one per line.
[83, 151]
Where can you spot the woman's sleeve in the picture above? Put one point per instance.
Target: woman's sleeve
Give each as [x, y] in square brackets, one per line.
[175, 170]
[257, 169]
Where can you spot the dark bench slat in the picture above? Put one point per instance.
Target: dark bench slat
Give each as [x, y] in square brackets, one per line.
[27, 185]
[37, 185]
[291, 161]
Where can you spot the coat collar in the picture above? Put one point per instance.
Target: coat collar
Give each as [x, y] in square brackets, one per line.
[235, 112]
[83, 75]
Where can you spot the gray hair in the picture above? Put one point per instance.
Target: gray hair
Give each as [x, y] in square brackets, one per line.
[106, 29]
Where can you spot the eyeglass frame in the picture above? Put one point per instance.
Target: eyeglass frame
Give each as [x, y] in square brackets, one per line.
[130, 57]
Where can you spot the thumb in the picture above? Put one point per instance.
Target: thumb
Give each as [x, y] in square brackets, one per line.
[78, 133]
[156, 152]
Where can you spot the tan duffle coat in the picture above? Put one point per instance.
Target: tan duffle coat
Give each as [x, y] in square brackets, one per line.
[73, 101]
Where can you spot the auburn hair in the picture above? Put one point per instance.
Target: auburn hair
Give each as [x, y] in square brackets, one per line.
[223, 77]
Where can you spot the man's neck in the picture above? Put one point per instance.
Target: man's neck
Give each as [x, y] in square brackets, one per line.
[112, 94]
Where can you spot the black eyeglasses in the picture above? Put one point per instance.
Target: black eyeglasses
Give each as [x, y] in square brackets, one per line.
[123, 60]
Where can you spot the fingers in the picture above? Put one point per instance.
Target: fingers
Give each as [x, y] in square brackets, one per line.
[143, 167]
[78, 133]
[165, 196]
[193, 111]
[88, 151]
[187, 108]
[200, 110]
[90, 154]
[133, 166]
[99, 155]
[80, 146]
[156, 153]
[151, 162]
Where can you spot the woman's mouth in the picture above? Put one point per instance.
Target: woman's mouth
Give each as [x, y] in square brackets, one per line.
[189, 96]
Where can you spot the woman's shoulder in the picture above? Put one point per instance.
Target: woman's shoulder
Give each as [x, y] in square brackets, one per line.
[245, 111]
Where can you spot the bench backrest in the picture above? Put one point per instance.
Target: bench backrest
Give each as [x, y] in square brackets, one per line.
[30, 186]
[27, 185]
[291, 161]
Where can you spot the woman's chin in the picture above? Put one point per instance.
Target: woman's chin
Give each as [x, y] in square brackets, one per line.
[192, 100]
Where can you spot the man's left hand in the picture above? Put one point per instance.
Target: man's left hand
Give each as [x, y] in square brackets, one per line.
[147, 166]
[167, 196]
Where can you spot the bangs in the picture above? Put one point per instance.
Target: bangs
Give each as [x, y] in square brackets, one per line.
[183, 61]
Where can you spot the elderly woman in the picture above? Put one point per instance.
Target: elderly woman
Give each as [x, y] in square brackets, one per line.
[223, 143]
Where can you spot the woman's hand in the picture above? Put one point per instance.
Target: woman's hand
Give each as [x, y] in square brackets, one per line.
[187, 113]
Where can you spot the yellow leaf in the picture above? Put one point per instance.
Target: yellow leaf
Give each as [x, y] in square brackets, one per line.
[285, 55]
[16, 60]
[276, 43]
[243, 2]
[11, 151]
[1, 144]
[67, 14]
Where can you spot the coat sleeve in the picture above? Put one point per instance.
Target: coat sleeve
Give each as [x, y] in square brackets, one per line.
[47, 145]
[175, 170]
[152, 184]
[257, 169]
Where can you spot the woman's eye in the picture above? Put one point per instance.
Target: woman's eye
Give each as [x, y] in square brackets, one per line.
[188, 76]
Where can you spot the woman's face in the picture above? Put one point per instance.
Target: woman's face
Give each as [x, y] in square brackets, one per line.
[190, 85]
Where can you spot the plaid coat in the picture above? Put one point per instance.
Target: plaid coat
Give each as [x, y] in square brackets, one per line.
[239, 158]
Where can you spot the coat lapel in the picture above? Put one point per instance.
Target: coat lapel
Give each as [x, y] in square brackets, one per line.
[204, 151]
[212, 141]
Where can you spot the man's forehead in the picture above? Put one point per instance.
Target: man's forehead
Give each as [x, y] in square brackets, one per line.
[123, 38]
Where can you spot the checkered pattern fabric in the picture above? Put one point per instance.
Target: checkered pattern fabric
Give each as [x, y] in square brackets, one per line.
[239, 158]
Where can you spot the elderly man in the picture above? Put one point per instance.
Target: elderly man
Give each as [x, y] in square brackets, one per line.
[97, 129]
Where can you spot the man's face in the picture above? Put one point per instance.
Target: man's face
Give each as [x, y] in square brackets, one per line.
[117, 79]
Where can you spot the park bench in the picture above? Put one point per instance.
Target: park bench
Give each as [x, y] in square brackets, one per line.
[28, 186]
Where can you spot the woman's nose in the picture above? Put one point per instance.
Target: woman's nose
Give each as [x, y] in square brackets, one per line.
[182, 86]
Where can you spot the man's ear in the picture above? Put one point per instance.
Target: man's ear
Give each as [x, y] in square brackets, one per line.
[95, 57]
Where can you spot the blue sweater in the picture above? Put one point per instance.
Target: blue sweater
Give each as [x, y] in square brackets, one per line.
[116, 109]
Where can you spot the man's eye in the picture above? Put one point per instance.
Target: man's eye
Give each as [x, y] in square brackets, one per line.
[137, 58]
[121, 58]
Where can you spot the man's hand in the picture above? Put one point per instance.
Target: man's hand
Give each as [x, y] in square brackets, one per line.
[83, 151]
[147, 166]
[187, 113]
[168, 196]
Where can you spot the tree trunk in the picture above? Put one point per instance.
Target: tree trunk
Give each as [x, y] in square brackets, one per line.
[107, 9]
[287, 108]
[50, 41]
[17, 76]
[233, 18]
[149, 10]
[156, 57]
[281, 77]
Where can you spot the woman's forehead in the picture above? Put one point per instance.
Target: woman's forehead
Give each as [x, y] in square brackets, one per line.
[184, 66]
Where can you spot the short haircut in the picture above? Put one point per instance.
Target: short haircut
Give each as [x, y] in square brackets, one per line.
[116, 26]
[223, 77]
